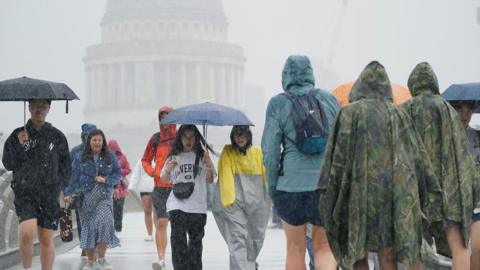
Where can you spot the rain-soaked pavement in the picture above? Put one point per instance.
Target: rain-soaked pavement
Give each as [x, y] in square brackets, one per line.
[137, 254]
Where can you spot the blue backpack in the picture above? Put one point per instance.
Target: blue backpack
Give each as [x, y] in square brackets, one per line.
[310, 122]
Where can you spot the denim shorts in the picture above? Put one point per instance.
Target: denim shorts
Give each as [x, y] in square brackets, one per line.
[476, 217]
[298, 208]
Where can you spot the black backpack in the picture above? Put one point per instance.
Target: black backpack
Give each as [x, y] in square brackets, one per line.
[310, 122]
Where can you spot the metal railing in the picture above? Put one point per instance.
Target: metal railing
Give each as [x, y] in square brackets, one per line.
[8, 218]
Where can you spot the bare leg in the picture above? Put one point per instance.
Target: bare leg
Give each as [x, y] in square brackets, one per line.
[28, 230]
[47, 248]
[460, 257]
[475, 242]
[296, 246]
[90, 254]
[102, 250]
[324, 259]
[147, 211]
[161, 237]
[387, 259]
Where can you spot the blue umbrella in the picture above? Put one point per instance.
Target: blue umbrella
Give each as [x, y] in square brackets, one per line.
[468, 92]
[207, 114]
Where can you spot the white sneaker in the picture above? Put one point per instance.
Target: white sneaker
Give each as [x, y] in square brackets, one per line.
[88, 266]
[160, 265]
[104, 265]
[148, 238]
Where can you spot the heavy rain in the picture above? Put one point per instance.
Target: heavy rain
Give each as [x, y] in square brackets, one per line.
[184, 128]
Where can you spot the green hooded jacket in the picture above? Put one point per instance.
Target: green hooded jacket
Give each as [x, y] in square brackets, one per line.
[378, 187]
[446, 143]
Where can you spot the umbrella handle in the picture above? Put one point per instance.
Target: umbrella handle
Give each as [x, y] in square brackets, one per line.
[24, 115]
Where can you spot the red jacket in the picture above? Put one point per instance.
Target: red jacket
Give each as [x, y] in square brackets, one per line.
[167, 136]
[124, 165]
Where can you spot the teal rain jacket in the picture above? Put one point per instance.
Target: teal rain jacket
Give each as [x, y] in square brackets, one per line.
[300, 172]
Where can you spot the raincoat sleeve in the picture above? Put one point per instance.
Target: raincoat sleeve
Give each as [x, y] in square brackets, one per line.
[115, 175]
[225, 177]
[271, 142]
[13, 153]
[74, 183]
[125, 166]
[135, 178]
[147, 158]
[65, 162]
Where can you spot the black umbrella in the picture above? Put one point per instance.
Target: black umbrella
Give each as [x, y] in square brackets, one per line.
[25, 89]
[468, 92]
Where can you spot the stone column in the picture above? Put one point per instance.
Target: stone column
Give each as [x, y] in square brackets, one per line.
[240, 88]
[221, 87]
[232, 90]
[200, 93]
[183, 94]
[167, 88]
[210, 82]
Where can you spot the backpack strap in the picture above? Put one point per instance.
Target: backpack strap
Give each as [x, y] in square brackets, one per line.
[156, 141]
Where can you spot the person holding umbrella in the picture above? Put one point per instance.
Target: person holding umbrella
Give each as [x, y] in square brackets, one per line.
[465, 110]
[37, 153]
[189, 169]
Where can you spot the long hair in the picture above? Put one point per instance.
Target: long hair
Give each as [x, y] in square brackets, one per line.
[87, 149]
[199, 148]
[241, 130]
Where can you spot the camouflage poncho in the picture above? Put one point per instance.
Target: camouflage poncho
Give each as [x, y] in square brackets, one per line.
[375, 176]
[446, 143]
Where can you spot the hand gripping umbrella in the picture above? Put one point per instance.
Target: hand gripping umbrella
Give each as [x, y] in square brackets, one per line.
[25, 89]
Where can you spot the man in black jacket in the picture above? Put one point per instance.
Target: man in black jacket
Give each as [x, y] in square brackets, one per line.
[39, 158]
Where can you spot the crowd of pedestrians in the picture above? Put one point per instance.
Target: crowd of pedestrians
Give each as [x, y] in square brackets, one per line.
[368, 177]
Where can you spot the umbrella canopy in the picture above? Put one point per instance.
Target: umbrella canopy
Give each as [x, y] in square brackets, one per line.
[468, 92]
[24, 89]
[400, 93]
[207, 114]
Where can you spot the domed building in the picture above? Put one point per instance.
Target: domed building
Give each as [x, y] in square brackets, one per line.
[155, 53]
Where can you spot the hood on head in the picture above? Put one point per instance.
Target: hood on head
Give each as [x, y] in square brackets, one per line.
[86, 129]
[167, 130]
[114, 147]
[164, 109]
[373, 83]
[423, 80]
[297, 75]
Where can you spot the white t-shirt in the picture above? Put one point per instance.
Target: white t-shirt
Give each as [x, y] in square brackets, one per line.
[183, 172]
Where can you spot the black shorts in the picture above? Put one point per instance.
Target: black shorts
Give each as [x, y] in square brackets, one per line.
[145, 194]
[298, 208]
[45, 209]
[160, 197]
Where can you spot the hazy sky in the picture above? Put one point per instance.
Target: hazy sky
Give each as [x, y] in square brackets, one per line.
[47, 39]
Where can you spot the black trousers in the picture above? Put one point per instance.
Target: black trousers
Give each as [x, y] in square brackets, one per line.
[118, 213]
[187, 253]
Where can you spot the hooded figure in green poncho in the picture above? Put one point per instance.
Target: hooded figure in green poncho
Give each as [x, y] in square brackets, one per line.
[378, 186]
[446, 143]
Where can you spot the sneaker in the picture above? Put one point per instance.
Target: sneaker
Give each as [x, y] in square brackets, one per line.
[88, 266]
[160, 265]
[104, 265]
[148, 238]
